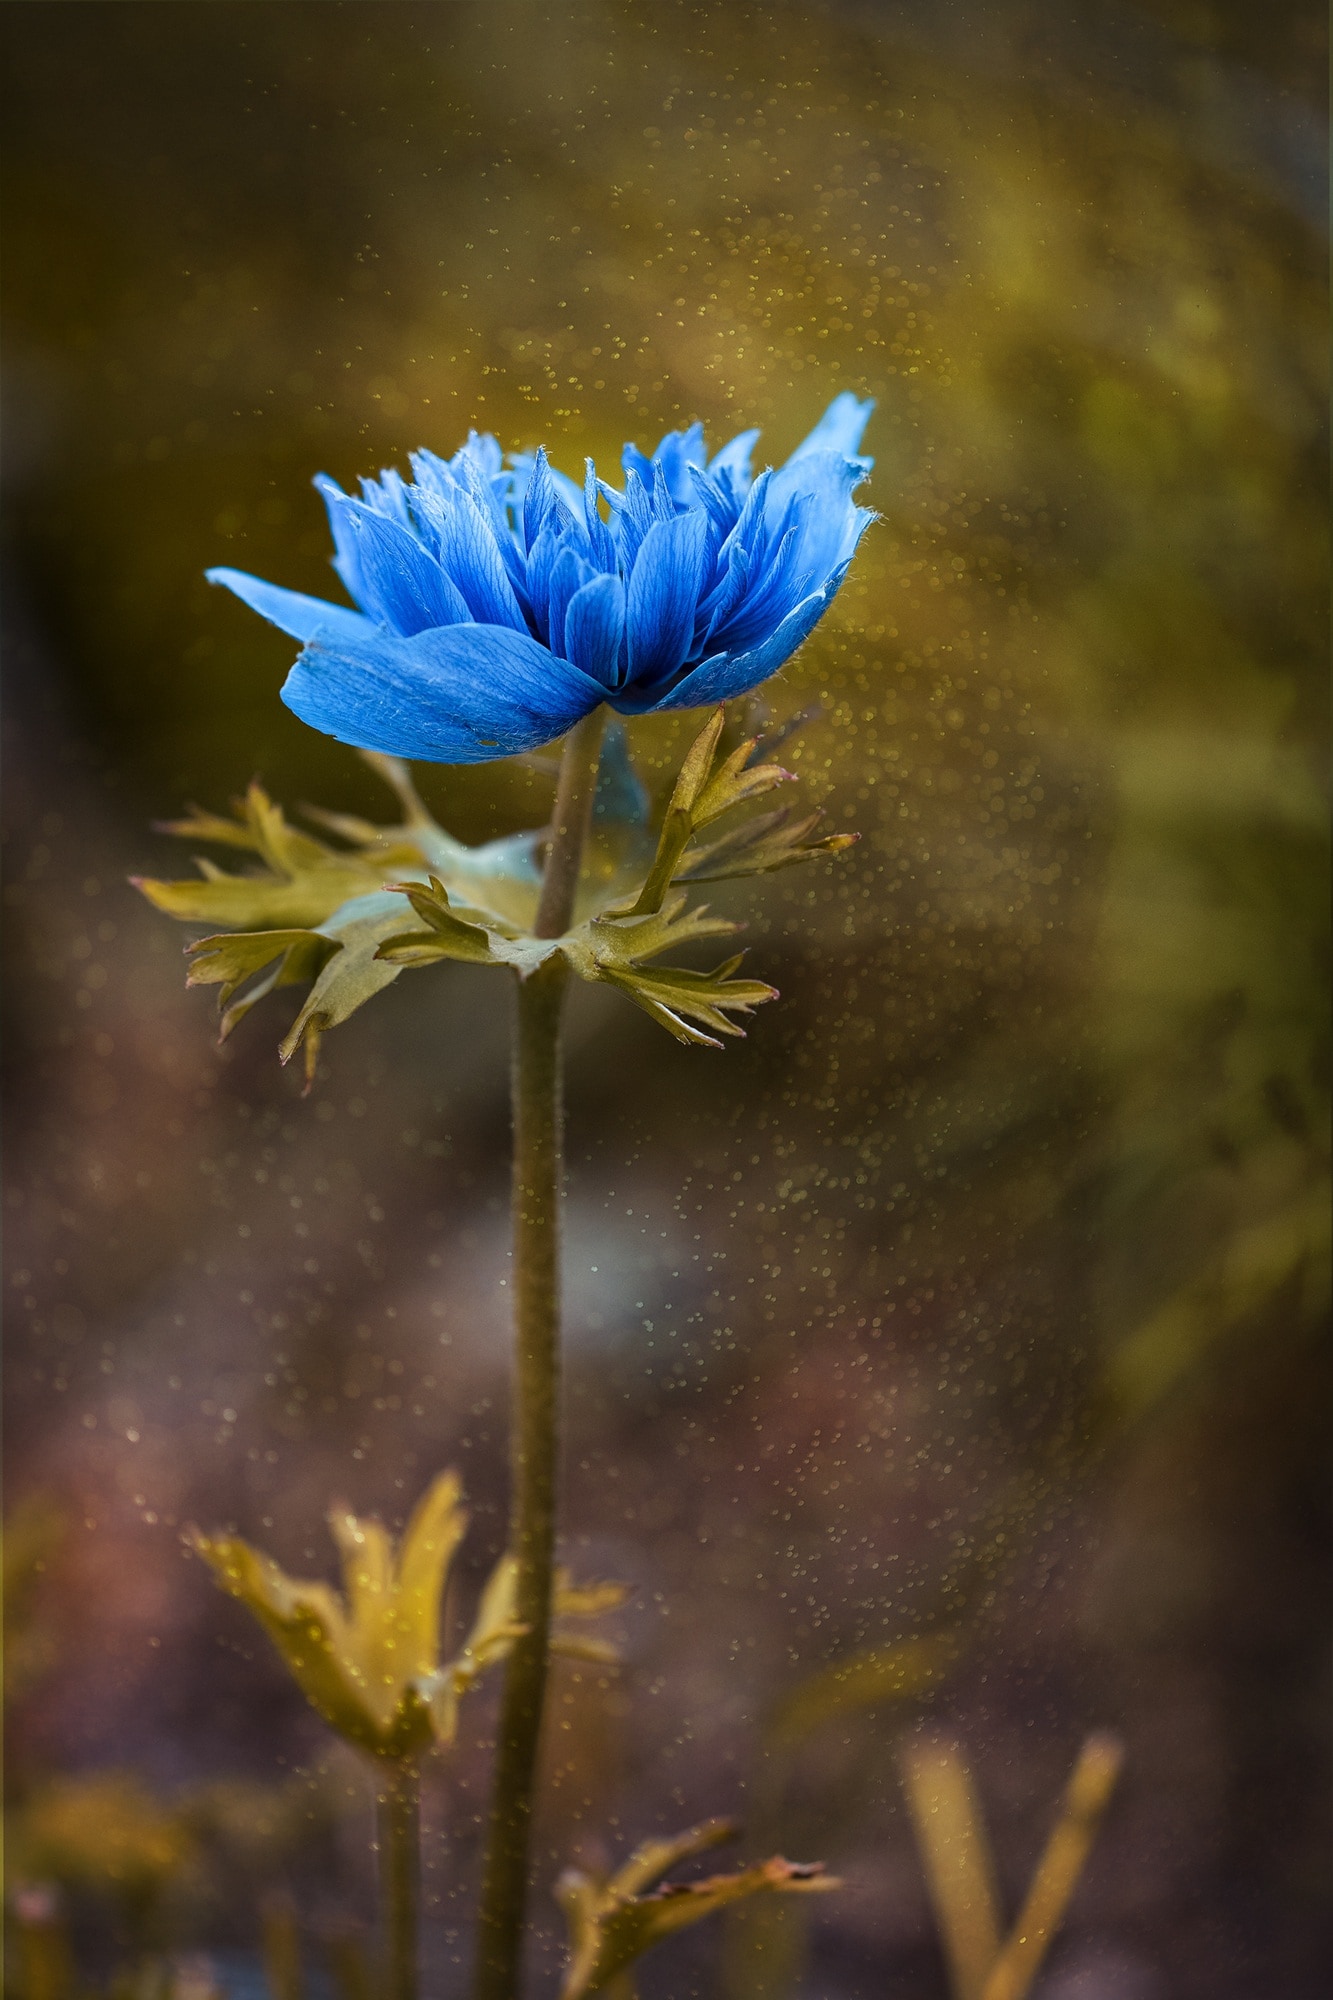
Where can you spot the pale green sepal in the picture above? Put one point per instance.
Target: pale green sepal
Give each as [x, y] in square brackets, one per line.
[714, 781]
[462, 931]
[303, 880]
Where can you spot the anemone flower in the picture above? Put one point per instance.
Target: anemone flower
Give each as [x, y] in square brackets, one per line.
[497, 606]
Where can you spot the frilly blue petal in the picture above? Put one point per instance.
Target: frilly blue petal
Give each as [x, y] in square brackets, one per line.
[461, 695]
[840, 428]
[497, 606]
[291, 610]
[727, 675]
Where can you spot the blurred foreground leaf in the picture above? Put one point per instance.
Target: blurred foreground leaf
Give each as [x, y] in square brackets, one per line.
[960, 1870]
[103, 1830]
[902, 1671]
[613, 1921]
[1291, 1247]
[34, 1530]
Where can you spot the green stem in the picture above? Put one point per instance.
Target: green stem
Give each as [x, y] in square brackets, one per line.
[534, 1429]
[569, 825]
[399, 1827]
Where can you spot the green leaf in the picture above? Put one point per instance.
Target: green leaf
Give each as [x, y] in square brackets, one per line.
[772, 840]
[702, 795]
[302, 880]
[447, 934]
[350, 976]
[684, 1002]
[230, 960]
[613, 1922]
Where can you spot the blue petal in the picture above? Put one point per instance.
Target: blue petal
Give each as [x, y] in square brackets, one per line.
[543, 554]
[492, 506]
[459, 695]
[730, 674]
[831, 526]
[469, 554]
[772, 592]
[839, 429]
[735, 456]
[388, 495]
[345, 561]
[539, 502]
[632, 518]
[594, 627]
[399, 580]
[600, 542]
[483, 451]
[678, 451]
[568, 577]
[633, 461]
[291, 610]
[664, 589]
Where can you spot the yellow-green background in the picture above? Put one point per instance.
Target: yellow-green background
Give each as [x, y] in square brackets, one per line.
[986, 1273]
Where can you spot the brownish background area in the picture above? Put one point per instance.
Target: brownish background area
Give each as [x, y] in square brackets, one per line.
[981, 1285]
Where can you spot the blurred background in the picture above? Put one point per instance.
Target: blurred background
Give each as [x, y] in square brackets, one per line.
[979, 1294]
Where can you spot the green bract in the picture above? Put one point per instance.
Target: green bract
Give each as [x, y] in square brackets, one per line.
[339, 918]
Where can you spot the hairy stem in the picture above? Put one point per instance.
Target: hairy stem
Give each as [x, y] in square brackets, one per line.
[569, 824]
[398, 1813]
[534, 1428]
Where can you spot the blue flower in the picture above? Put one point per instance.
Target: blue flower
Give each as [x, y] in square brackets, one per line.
[497, 607]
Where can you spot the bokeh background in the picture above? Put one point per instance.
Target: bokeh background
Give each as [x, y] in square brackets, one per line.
[978, 1293]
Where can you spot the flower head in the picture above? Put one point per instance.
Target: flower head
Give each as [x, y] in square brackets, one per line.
[497, 606]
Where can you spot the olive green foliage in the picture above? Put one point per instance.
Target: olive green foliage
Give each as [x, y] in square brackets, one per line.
[613, 1921]
[476, 905]
[960, 1870]
[368, 1659]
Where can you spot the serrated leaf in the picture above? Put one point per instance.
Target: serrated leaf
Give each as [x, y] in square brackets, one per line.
[303, 880]
[615, 949]
[719, 776]
[447, 933]
[677, 997]
[702, 794]
[778, 839]
[264, 902]
[351, 975]
[612, 1923]
[304, 883]
[233, 958]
